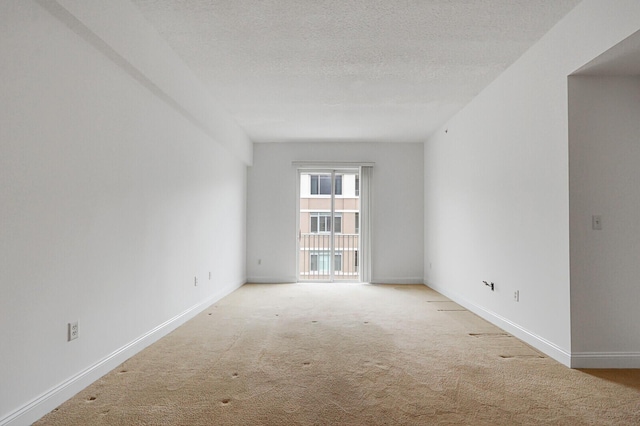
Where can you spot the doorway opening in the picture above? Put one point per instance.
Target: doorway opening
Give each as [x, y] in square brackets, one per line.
[329, 238]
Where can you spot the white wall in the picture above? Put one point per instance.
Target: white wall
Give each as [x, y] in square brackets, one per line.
[497, 190]
[111, 201]
[604, 153]
[397, 224]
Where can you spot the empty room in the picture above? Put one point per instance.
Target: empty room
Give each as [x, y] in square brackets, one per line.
[319, 212]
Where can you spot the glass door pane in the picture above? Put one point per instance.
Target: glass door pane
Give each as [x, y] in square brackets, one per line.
[346, 238]
[328, 238]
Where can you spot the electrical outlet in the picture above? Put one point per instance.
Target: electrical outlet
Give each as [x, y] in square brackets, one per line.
[72, 331]
[596, 222]
[516, 296]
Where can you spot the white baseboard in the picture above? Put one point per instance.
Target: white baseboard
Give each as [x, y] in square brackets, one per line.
[605, 360]
[552, 350]
[389, 280]
[271, 280]
[377, 280]
[43, 404]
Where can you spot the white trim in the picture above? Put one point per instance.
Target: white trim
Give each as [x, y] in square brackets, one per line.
[347, 249]
[272, 280]
[338, 165]
[605, 360]
[395, 280]
[338, 274]
[328, 211]
[540, 343]
[43, 404]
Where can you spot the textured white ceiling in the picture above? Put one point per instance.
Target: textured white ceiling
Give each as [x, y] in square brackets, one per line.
[341, 70]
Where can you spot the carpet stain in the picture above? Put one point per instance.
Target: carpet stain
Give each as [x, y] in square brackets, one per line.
[291, 407]
[490, 335]
[520, 356]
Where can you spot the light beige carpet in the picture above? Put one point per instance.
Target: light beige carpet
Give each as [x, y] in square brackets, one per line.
[346, 354]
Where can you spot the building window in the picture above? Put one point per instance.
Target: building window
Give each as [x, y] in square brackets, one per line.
[321, 185]
[355, 257]
[319, 261]
[357, 219]
[357, 185]
[321, 223]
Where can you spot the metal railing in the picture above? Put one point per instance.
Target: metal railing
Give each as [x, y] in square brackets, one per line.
[315, 256]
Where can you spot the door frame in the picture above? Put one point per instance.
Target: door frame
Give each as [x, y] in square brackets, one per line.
[332, 169]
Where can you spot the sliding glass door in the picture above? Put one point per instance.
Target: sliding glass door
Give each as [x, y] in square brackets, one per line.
[329, 225]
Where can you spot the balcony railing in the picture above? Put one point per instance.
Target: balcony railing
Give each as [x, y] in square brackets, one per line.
[315, 256]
